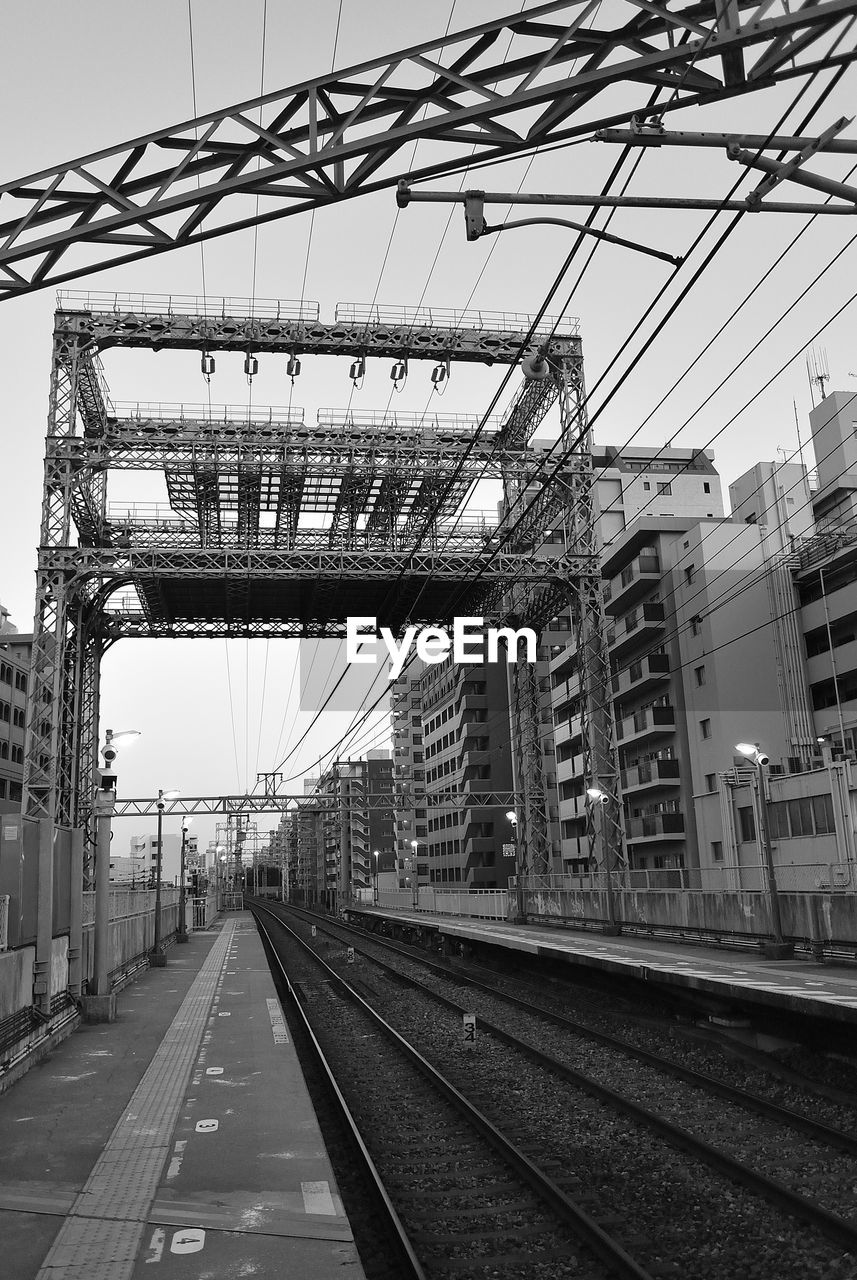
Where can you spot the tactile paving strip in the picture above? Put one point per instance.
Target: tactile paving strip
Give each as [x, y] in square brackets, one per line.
[101, 1237]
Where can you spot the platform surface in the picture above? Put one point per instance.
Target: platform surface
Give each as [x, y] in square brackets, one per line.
[799, 986]
[177, 1142]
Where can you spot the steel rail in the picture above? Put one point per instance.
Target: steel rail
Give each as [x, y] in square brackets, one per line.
[731, 1093]
[410, 1264]
[596, 1239]
[835, 1228]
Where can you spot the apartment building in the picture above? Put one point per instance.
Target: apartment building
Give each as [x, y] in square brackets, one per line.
[648, 499]
[780, 660]
[409, 777]
[467, 748]
[352, 826]
[15, 652]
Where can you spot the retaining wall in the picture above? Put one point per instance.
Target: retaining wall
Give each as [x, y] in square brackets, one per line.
[823, 917]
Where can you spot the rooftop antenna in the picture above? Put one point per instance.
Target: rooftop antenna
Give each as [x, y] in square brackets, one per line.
[817, 371]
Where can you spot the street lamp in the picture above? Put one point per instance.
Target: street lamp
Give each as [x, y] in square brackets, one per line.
[181, 931]
[157, 956]
[598, 798]
[376, 853]
[101, 1005]
[779, 949]
[512, 819]
[416, 875]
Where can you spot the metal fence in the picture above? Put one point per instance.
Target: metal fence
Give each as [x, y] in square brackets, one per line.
[485, 904]
[811, 877]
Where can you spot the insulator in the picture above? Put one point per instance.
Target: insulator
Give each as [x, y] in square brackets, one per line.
[207, 363]
[251, 366]
[293, 368]
[399, 370]
[357, 370]
[439, 374]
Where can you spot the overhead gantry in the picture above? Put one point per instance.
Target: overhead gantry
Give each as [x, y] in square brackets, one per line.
[279, 527]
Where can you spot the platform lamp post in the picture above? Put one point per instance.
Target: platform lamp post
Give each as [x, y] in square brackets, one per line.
[181, 931]
[779, 949]
[157, 956]
[100, 1004]
[520, 862]
[376, 853]
[598, 797]
[416, 875]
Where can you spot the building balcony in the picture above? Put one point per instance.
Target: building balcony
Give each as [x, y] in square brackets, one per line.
[644, 674]
[638, 577]
[650, 722]
[640, 627]
[650, 775]
[654, 827]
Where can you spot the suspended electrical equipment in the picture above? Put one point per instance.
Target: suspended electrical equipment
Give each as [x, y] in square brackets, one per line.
[293, 368]
[440, 373]
[207, 364]
[399, 371]
[251, 365]
[358, 369]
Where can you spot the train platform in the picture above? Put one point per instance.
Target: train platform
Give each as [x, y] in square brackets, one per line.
[177, 1142]
[738, 978]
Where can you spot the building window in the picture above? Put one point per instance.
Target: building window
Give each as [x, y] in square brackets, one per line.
[711, 782]
[665, 488]
[746, 823]
[800, 817]
[695, 624]
[705, 728]
[688, 574]
[699, 676]
[646, 485]
[822, 811]
[717, 850]
[706, 487]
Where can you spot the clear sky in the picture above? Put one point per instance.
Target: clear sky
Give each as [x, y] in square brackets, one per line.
[84, 76]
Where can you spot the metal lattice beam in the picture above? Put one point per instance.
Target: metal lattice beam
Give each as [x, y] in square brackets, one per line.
[337, 136]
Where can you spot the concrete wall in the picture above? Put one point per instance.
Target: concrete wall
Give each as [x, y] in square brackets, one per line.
[813, 916]
[132, 926]
[16, 976]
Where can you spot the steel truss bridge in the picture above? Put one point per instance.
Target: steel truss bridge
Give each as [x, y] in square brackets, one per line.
[275, 527]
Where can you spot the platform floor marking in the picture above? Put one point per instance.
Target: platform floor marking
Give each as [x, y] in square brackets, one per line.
[278, 1025]
[101, 1237]
[317, 1198]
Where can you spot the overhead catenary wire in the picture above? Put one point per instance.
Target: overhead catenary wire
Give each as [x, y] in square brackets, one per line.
[569, 449]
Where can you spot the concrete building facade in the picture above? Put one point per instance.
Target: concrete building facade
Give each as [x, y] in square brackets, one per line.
[15, 652]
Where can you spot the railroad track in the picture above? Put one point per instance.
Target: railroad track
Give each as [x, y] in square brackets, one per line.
[468, 1201]
[811, 1156]
[838, 1129]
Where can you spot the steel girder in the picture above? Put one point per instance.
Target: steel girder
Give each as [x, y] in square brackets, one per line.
[298, 803]
[336, 136]
[102, 321]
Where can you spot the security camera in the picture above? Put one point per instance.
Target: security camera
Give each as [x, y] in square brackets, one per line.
[110, 753]
[763, 757]
[108, 777]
